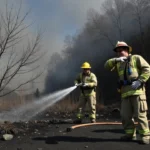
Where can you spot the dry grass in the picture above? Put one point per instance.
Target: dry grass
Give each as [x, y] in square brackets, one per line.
[10, 102]
[69, 104]
[65, 105]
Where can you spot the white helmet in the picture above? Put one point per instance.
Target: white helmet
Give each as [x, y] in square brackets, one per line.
[122, 44]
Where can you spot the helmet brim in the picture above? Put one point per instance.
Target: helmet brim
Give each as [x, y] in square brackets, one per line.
[86, 67]
[129, 48]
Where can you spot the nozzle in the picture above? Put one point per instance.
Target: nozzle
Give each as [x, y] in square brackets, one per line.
[80, 84]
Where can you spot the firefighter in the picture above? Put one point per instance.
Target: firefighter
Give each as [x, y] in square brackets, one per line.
[133, 72]
[88, 82]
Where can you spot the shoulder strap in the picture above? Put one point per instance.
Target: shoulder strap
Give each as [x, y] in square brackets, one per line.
[127, 67]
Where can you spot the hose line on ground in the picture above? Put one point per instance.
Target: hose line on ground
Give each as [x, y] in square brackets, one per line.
[97, 123]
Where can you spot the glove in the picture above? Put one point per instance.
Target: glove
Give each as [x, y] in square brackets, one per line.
[121, 59]
[85, 84]
[136, 84]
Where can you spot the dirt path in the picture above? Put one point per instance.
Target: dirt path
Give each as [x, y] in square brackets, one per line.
[55, 137]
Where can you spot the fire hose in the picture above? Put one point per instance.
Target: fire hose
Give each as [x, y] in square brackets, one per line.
[97, 123]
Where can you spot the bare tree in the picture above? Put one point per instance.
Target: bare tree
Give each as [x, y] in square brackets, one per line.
[100, 29]
[17, 57]
[139, 10]
[115, 10]
[55, 59]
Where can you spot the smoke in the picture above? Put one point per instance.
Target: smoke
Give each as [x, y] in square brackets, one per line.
[95, 42]
[18, 43]
[56, 19]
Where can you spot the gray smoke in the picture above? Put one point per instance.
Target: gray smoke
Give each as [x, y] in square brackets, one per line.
[95, 43]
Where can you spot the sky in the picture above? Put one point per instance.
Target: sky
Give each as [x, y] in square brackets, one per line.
[57, 19]
[60, 18]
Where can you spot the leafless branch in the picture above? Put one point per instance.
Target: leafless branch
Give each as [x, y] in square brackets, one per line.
[18, 56]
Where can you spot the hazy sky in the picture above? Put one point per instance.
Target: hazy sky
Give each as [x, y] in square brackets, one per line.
[57, 18]
[60, 18]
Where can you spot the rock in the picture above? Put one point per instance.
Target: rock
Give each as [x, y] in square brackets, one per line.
[7, 137]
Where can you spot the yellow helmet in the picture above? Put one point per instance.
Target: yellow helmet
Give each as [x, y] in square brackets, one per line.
[123, 44]
[85, 65]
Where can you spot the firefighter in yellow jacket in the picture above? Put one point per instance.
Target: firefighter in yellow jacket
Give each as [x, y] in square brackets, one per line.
[133, 72]
[88, 82]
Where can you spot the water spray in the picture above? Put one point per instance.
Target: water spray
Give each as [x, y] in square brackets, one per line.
[30, 110]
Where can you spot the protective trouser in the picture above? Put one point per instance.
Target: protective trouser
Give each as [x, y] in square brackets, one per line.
[135, 107]
[91, 100]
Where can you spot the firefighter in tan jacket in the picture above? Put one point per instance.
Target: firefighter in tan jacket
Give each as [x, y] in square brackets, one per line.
[133, 72]
[88, 82]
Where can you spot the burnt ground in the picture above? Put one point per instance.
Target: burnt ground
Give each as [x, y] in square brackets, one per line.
[51, 133]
